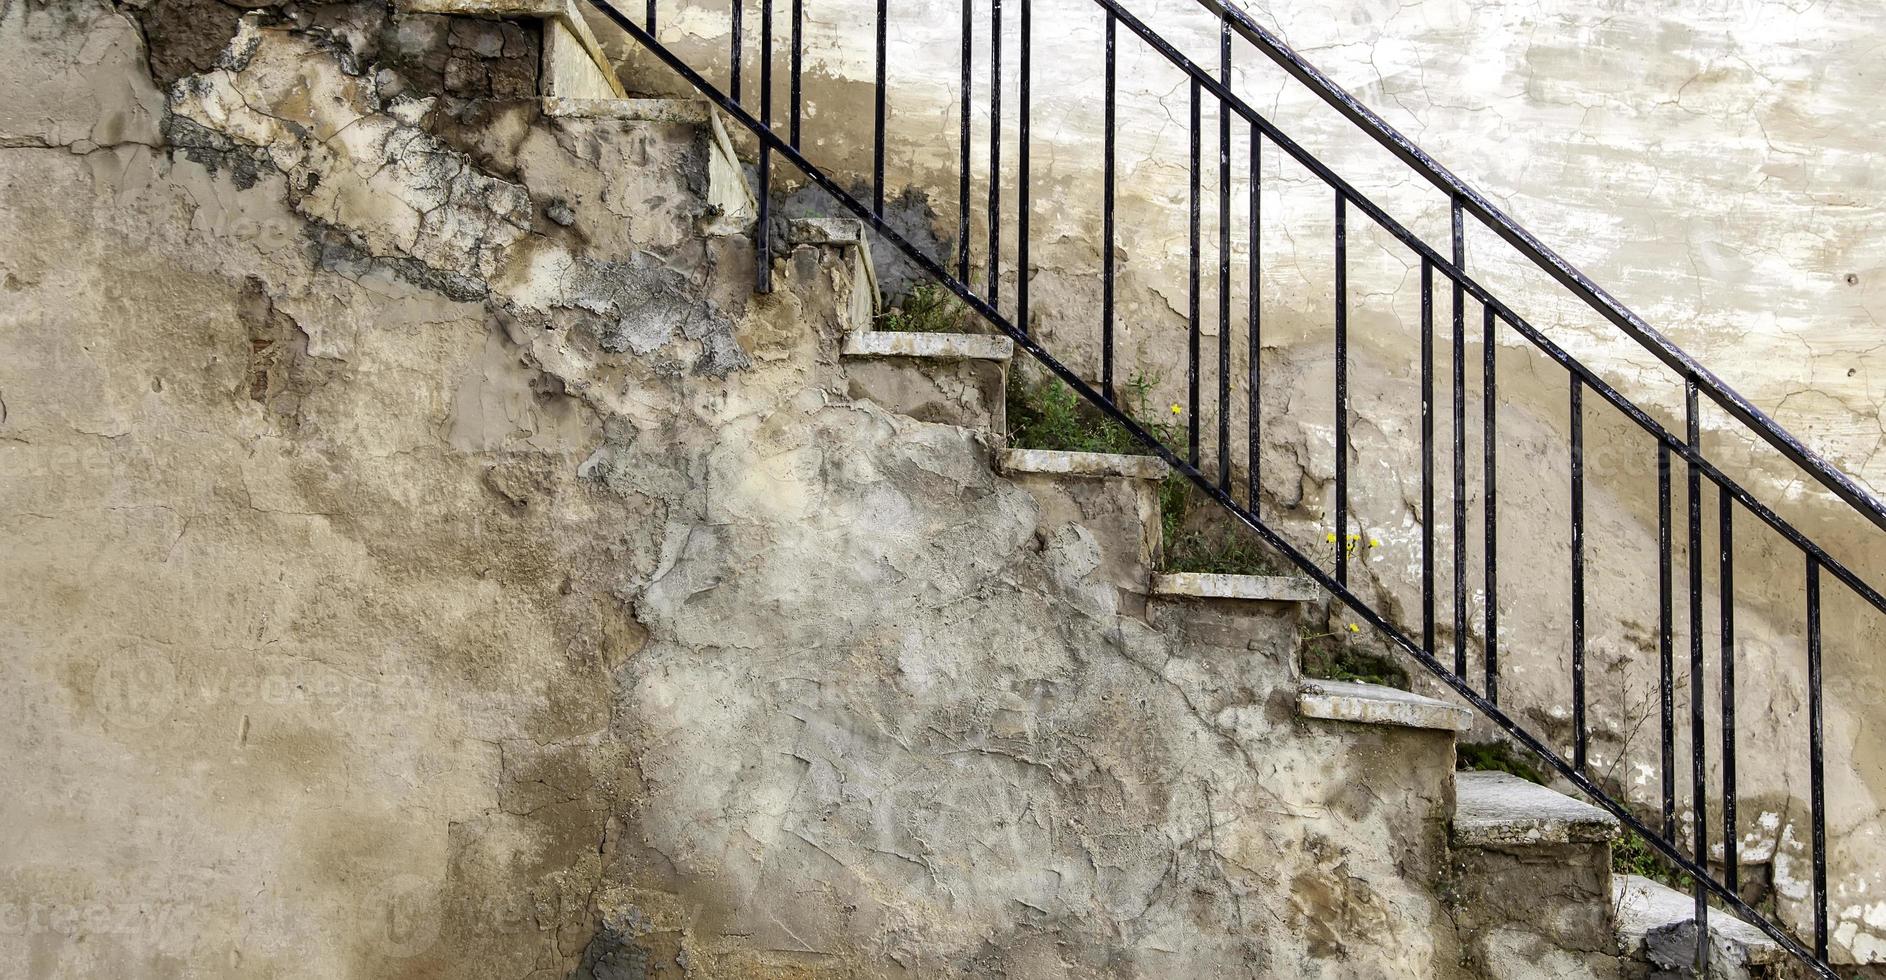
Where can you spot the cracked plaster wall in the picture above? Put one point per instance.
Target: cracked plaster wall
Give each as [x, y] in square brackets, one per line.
[427, 558]
[1711, 164]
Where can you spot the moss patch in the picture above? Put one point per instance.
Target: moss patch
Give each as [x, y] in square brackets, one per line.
[1497, 757]
[1330, 657]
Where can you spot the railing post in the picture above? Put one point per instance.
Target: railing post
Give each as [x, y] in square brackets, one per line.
[1489, 404]
[797, 95]
[1106, 217]
[962, 166]
[763, 231]
[877, 126]
[1460, 444]
[1254, 290]
[1342, 389]
[1817, 777]
[1192, 298]
[1578, 573]
[994, 284]
[1699, 790]
[1666, 694]
[1224, 261]
[735, 12]
[1730, 840]
[1023, 212]
[1427, 456]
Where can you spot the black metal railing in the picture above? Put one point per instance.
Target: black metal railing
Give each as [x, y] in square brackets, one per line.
[1214, 477]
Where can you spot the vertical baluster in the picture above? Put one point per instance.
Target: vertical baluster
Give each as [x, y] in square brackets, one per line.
[1224, 259]
[1191, 361]
[650, 21]
[1342, 389]
[1460, 445]
[962, 166]
[1488, 403]
[995, 151]
[1022, 208]
[1817, 785]
[1666, 670]
[877, 121]
[1427, 456]
[735, 12]
[1578, 573]
[1253, 293]
[763, 230]
[1730, 841]
[1106, 218]
[1699, 791]
[797, 95]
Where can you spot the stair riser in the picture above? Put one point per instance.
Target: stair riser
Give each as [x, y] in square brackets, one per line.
[968, 393]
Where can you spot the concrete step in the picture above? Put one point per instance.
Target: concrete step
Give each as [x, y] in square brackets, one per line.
[846, 234]
[1657, 925]
[1099, 503]
[946, 378]
[1373, 704]
[1256, 588]
[1056, 462]
[929, 346]
[1533, 877]
[1494, 809]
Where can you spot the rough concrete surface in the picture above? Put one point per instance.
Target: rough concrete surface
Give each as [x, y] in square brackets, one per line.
[1711, 164]
[426, 557]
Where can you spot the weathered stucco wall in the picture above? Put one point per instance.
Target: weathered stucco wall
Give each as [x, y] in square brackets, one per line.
[1708, 163]
[427, 558]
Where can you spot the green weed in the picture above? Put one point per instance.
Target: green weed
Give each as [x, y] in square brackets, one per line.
[1632, 855]
[1329, 657]
[929, 308]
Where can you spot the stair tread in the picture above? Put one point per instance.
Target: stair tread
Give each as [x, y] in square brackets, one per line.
[1373, 704]
[1064, 463]
[825, 231]
[1494, 808]
[693, 111]
[1268, 588]
[1658, 922]
[940, 346]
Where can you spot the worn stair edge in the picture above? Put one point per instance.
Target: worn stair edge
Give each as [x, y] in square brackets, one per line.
[1373, 704]
[1492, 809]
[691, 111]
[1262, 588]
[841, 232]
[1658, 923]
[938, 346]
[563, 12]
[1061, 463]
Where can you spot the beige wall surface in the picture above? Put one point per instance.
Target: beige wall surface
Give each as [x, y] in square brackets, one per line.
[1714, 165]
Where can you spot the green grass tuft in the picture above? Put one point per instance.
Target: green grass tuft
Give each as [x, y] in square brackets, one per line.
[1049, 415]
[929, 308]
[1632, 855]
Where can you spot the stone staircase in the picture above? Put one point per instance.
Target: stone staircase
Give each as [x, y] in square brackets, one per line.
[1523, 870]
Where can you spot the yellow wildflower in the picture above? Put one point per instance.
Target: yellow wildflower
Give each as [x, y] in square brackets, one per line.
[1353, 628]
[1176, 410]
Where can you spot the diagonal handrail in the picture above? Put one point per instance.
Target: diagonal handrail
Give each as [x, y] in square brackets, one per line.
[1669, 444]
[1551, 262]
